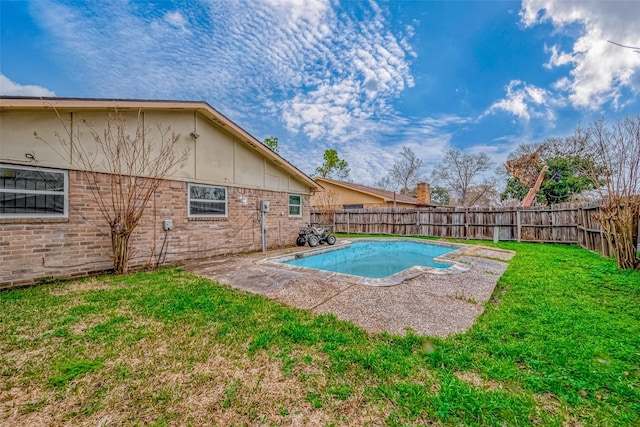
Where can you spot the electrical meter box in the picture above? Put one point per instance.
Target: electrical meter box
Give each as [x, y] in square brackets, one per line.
[265, 205]
[167, 224]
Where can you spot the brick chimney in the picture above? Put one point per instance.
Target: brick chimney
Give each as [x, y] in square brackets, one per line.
[423, 193]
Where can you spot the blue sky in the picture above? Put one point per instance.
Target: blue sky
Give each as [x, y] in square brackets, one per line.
[365, 78]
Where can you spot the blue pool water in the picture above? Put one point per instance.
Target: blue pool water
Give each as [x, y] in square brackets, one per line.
[375, 259]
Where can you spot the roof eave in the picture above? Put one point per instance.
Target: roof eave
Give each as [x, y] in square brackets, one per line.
[379, 196]
[353, 189]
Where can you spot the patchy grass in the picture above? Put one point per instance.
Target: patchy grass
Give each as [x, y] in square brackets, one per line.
[559, 344]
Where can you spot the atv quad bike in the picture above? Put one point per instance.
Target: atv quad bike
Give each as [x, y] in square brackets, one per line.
[315, 236]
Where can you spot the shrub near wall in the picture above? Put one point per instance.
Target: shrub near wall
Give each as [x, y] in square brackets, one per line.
[32, 249]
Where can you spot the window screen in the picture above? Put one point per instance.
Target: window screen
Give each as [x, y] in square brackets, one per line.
[295, 205]
[206, 200]
[32, 192]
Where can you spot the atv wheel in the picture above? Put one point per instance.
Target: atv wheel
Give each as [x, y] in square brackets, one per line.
[313, 241]
[301, 241]
[331, 239]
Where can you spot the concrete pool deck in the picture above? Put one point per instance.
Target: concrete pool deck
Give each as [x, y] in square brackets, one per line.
[430, 303]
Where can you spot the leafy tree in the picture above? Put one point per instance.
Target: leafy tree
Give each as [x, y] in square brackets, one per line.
[272, 143]
[333, 166]
[514, 190]
[567, 160]
[459, 172]
[564, 178]
[439, 195]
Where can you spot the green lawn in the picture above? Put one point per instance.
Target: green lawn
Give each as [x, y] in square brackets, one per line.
[559, 344]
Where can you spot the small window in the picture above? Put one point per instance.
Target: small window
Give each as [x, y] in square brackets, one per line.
[295, 205]
[27, 192]
[207, 201]
[351, 207]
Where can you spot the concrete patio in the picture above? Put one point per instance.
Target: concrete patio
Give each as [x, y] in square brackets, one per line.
[430, 304]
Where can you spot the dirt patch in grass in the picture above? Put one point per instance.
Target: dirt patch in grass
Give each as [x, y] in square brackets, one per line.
[489, 253]
[245, 390]
[177, 377]
[549, 403]
[90, 284]
[216, 391]
[475, 380]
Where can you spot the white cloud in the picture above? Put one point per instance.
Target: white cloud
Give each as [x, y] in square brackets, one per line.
[177, 20]
[329, 72]
[319, 67]
[372, 68]
[297, 10]
[370, 156]
[11, 88]
[600, 71]
[525, 101]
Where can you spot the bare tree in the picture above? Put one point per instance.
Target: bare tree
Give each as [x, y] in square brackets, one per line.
[386, 184]
[404, 174]
[459, 172]
[131, 165]
[616, 151]
[327, 199]
[485, 194]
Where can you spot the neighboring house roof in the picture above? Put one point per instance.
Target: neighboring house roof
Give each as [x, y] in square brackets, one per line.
[386, 195]
[201, 107]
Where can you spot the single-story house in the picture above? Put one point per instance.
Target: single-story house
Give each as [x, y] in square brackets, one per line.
[51, 226]
[347, 195]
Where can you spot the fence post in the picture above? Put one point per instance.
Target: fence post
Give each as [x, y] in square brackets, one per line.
[553, 222]
[578, 231]
[518, 225]
[348, 230]
[466, 223]
[334, 220]
[393, 223]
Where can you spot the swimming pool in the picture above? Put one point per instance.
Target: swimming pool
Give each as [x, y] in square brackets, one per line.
[375, 259]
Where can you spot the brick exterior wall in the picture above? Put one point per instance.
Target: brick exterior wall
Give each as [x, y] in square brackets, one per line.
[34, 249]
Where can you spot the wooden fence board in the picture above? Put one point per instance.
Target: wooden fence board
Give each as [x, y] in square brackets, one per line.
[570, 223]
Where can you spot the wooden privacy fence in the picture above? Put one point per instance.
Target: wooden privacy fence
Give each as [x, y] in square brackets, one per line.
[556, 224]
[590, 235]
